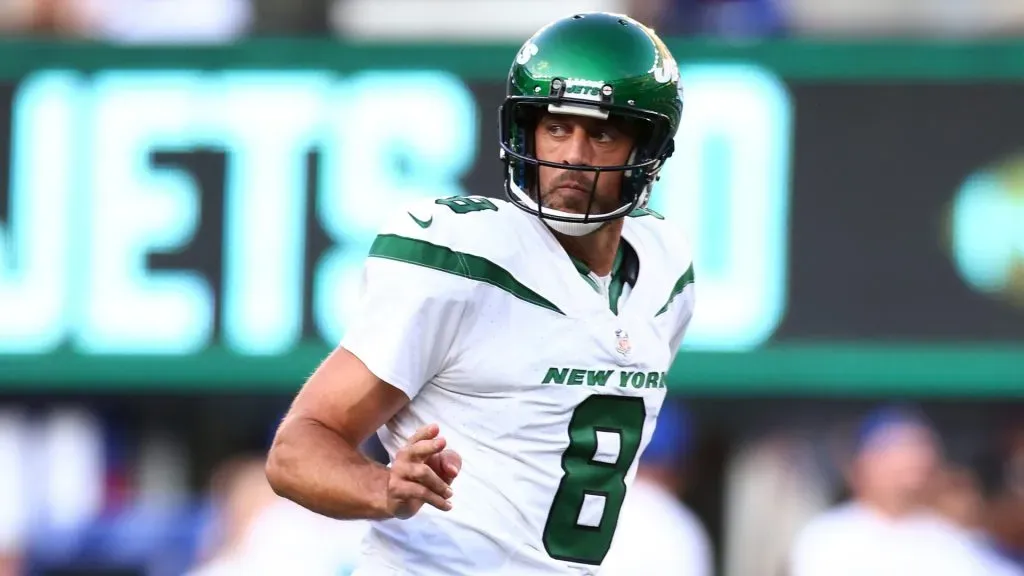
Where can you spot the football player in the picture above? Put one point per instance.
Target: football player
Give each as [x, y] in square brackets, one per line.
[511, 355]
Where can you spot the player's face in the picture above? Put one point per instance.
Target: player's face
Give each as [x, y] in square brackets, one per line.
[585, 141]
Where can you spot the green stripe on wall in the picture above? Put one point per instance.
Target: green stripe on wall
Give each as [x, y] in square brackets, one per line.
[791, 59]
[854, 369]
[848, 369]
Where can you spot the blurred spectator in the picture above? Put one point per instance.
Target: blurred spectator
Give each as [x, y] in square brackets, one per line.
[165, 21]
[161, 21]
[39, 17]
[17, 16]
[774, 486]
[658, 535]
[239, 495]
[52, 476]
[455, 20]
[725, 18]
[257, 533]
[14, 505]
[943, 18]
[1006, 513]
[886, 528]
[957, 496]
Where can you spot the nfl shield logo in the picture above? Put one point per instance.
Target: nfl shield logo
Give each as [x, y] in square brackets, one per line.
[622, 345]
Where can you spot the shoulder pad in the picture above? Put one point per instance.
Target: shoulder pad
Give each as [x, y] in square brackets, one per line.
[471, 224]
[663, 237]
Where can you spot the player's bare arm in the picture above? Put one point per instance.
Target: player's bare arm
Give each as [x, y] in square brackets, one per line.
[315, 458]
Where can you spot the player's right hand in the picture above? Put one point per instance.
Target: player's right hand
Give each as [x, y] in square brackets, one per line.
[412, 483]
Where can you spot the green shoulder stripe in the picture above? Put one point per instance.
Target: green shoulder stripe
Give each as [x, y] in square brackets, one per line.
[684, 280]
[638, 212]
[422, 253]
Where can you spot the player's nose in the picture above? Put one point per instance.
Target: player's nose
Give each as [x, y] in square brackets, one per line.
[578, 149]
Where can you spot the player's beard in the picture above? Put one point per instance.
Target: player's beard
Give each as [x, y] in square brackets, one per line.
[575, 202]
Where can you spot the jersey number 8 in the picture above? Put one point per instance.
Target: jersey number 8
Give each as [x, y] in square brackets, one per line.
[604, 438]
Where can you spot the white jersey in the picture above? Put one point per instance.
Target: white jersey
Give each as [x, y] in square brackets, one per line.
[474, 310]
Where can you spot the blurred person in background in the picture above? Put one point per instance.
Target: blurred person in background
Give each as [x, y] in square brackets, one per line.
[773, 486]
[17, 16]
[257, 533]
[165, 21]
[723, 18]
[238, 494]
[658, 535]
[1006, 512]
[157, 21]
[40, 18]
[14, 492]
[957, 496]
[52, 476]
[888, 528]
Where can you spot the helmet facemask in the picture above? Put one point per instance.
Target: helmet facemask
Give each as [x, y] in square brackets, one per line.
[518, 118]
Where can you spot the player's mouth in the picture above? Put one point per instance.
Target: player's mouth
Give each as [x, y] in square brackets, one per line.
[574, 189]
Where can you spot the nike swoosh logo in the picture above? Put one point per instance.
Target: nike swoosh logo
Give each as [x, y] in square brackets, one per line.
[422, 223]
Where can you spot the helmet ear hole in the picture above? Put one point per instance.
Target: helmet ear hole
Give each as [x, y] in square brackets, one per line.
[522, 140]
[628, 187]
[649, 135]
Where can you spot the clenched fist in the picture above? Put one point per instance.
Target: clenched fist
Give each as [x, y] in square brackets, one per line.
[422, 473]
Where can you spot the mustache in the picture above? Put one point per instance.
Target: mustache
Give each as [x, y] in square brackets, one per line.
[574, 179]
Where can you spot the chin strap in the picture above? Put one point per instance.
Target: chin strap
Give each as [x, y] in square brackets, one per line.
[568, 228]
[573, 228]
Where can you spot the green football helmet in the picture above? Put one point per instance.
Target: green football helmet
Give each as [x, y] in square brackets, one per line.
[596, 65]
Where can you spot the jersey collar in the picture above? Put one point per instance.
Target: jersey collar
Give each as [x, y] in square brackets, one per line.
[625, 268]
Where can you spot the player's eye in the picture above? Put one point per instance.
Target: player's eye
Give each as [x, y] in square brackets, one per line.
[557, 130]
[605, 135]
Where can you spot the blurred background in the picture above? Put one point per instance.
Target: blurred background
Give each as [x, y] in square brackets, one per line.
[188, 189]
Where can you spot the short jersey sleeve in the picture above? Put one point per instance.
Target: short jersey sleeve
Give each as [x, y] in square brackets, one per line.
[682, 294]
[684, 307]
[409, 312]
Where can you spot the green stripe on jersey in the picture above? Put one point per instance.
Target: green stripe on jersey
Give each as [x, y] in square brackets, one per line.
[422, 253]
[685, 280]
